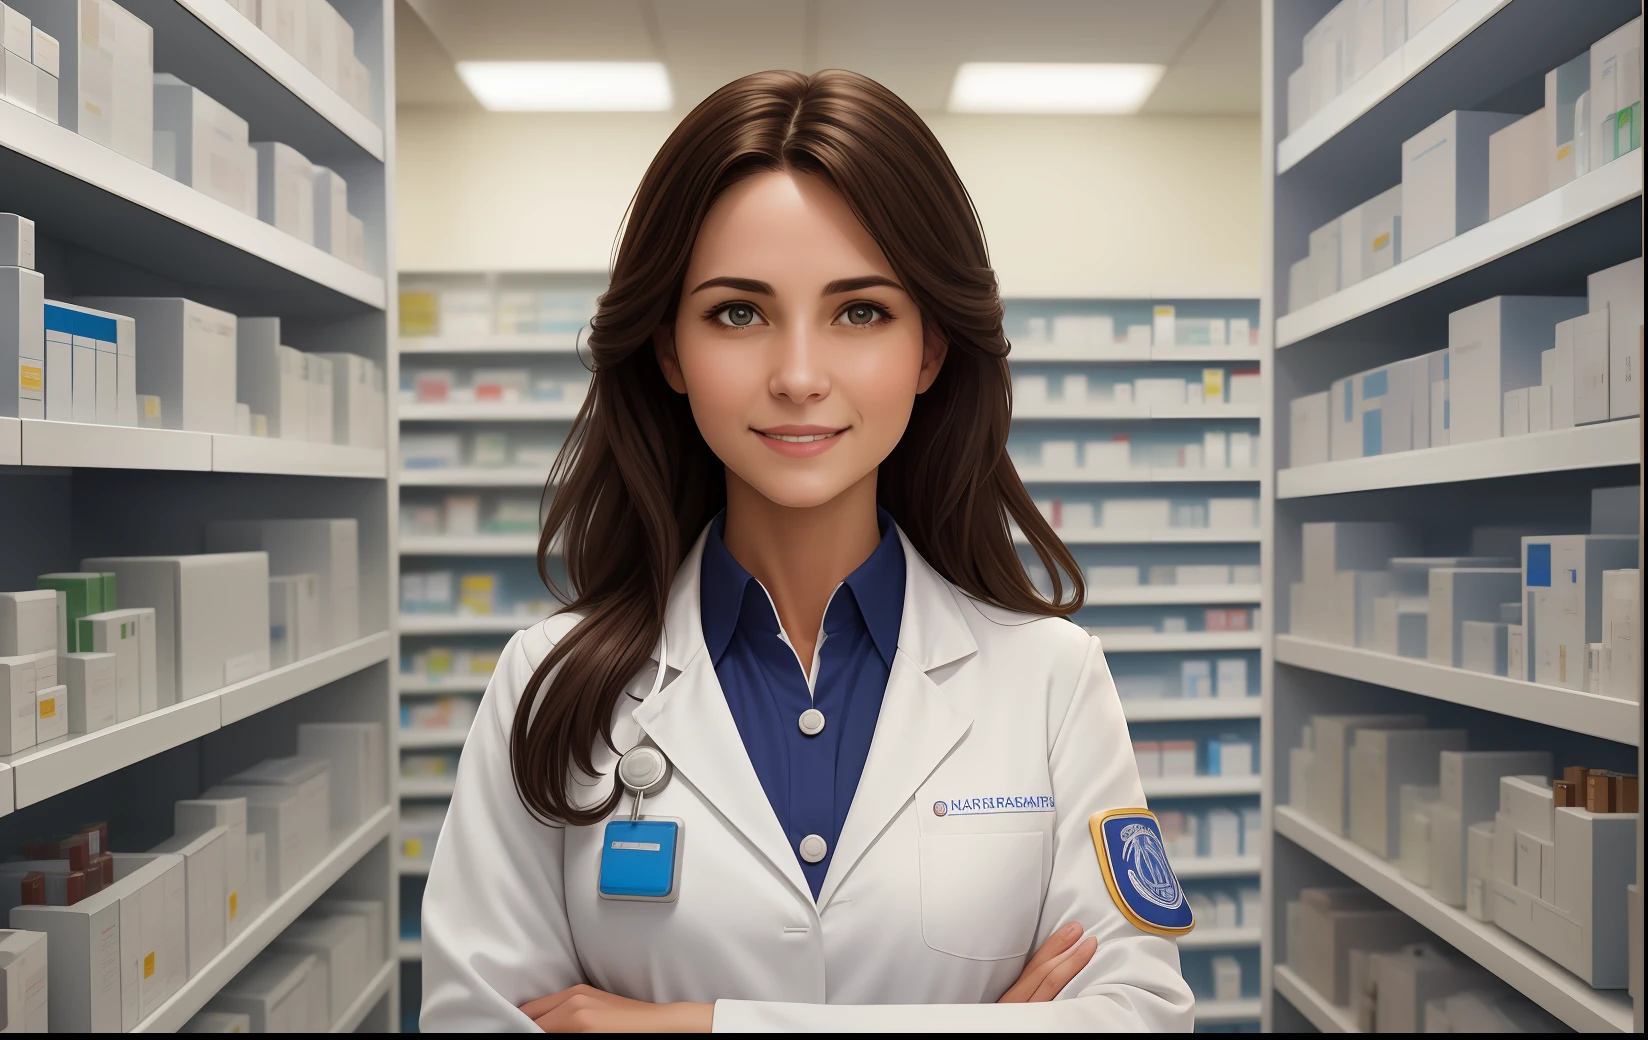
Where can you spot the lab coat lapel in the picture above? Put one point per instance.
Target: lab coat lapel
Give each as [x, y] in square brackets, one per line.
[919, 723]
[691, 723]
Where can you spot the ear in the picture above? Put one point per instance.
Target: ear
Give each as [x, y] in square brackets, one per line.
[663, 348]
[934, 348]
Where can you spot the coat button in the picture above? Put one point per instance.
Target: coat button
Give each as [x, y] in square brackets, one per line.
[811, 722]
[814, 848]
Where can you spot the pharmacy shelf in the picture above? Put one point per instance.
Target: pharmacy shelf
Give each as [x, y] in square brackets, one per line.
[1219, 938]
[409, 949]
[451, 684]
[233, 454]
[1534, 975]
[1200, 787]
[205, 983]
[1471, 52]
[1593, 195]
[1176, 709]
[1217, 866]
[430, 738]
[11, 441]
[516, 411]
[502, 343]
[260, 693]
[1230, 355]
[1138, 475]
[1058, 410]
[94, 197]
[1326, 1017]
[1153, 536]
[196, 40]
[1616, 443]
[92, 446]
[67, 762]
[475, 476]
[464, 624]
[1169, 642]
[1226, 1012]
[358, 1008]
[7, 790]
[427, 786]
[1424, 47]
[1610, 718]
[412, 867]
[469, 545]
[1141, 595]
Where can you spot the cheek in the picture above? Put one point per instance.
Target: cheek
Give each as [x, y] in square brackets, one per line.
[721, 386]
[880, 379]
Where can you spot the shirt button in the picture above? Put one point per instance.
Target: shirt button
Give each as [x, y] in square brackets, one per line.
[813, 848]
[811, 722]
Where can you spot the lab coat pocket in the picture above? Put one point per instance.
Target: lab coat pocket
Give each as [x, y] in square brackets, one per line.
[981, 893]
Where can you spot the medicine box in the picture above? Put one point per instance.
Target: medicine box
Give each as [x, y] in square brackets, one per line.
[198, 816]
[1619, 290]
[1616, 94]
[1308, 430]
[211, 616]
[1563, 86]
[1400, 623]
[273, 992]
[1381, 762]
[286, 189]
[185, 356]
[353, 411]
[310, 780]
[1445, 178]
[1335, 921]
[317, 375]
[338, 943]
[1562, 610]
[212, 151]
[1328, 798]
[294, 618]
[130, 636]
[370, 913]
[1622, 633]
[280, 816]
[105, 84]
[1331, 547]
[1483, 647]
[28, 622]
[23, 965]
[218, 1022]
[91, 679]
[205, 871]
[16, 241]
[22, 343]
[17, 687]
[1460, 594]
[51, 712]
[327, 548]
[1517, 163]
[331, 195]
[358, 770]
[1494, 347]
[162, 880]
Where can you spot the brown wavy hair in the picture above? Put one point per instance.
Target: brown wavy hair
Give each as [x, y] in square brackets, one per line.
[636, 483]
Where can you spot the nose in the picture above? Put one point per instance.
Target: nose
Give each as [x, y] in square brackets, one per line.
[799, 374]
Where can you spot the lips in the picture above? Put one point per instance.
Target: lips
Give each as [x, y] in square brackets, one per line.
[800, 441]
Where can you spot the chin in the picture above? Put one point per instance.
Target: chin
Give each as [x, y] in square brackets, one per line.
[793, 491]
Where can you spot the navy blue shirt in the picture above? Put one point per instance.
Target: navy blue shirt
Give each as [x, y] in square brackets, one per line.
[809, 780]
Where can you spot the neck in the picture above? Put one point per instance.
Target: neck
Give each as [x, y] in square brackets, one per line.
[801, 554]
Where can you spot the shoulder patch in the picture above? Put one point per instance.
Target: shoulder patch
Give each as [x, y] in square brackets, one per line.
[1134, 863]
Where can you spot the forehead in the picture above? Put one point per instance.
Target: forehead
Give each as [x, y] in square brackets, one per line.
[784, 227]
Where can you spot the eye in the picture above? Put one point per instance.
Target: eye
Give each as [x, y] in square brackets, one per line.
[738, 316]
[861, 314]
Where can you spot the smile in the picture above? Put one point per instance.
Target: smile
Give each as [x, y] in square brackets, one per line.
[798, 442]
[805, 439]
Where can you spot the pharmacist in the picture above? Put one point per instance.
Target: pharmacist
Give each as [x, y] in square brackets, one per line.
[807, 750]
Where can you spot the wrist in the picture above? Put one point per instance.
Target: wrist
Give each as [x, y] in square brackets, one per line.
[689, 1017]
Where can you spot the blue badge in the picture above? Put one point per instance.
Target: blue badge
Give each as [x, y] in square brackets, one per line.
[640, 859]
[1134, 863]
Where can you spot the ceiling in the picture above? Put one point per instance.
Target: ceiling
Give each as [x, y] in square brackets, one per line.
[1211, 47]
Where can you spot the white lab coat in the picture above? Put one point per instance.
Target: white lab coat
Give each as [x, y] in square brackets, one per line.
[923, 920]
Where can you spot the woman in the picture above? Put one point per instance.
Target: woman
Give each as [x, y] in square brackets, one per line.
[893, 769]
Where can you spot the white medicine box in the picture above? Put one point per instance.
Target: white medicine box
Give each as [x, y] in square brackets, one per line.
[211, 615]
[198, 816]
[105, 83]
[185, 357]
[331, 195]
[209, 144]
[1495, 347]
[16, 241]
[1445, 178]
[327, 548]
[286, 189]
[1562, 610]
[355, 757]
[1618, 290]
[205, 871]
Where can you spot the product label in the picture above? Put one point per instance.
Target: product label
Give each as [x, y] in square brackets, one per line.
[48, 708]
[234, 904]
[148, 964]
[412, 848]
[30, 377]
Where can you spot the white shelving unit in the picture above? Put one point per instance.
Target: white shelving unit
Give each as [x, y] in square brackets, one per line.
[107, 225]
[1475, 54]
[1109, 610]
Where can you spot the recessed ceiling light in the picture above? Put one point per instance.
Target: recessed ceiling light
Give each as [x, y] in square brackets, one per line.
[1052, 88]
[568, 86]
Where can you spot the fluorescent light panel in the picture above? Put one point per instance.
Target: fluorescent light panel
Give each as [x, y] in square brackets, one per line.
[1049, 88]
[568, 86]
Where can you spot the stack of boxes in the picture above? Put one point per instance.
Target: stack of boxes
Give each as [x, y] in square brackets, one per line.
[105, 67]
[23, 979]
[1225, 755]
[308, 202]
[1468, 167]
[124, 931]
[313, 32]
[334, 398]
[1566, 614]
[204, 145]
[1224, 678]
[1346, 44]
[28, 64]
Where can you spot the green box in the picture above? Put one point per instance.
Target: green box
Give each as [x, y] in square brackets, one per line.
[108, 591]
[84, 592]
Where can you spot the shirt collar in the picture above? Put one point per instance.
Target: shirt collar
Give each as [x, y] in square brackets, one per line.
[877, 588]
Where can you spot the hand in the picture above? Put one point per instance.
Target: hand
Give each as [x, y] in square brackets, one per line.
[1052, 967]
[585, 1009]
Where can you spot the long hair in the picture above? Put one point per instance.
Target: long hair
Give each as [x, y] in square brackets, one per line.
[636, 483]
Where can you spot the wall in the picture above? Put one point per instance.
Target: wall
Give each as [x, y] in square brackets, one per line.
[1072, 206]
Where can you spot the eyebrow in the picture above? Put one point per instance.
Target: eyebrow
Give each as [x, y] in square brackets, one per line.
[840, 285]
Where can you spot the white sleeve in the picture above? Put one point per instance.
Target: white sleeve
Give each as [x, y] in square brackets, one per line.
[495, 931]
[1132, 984]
